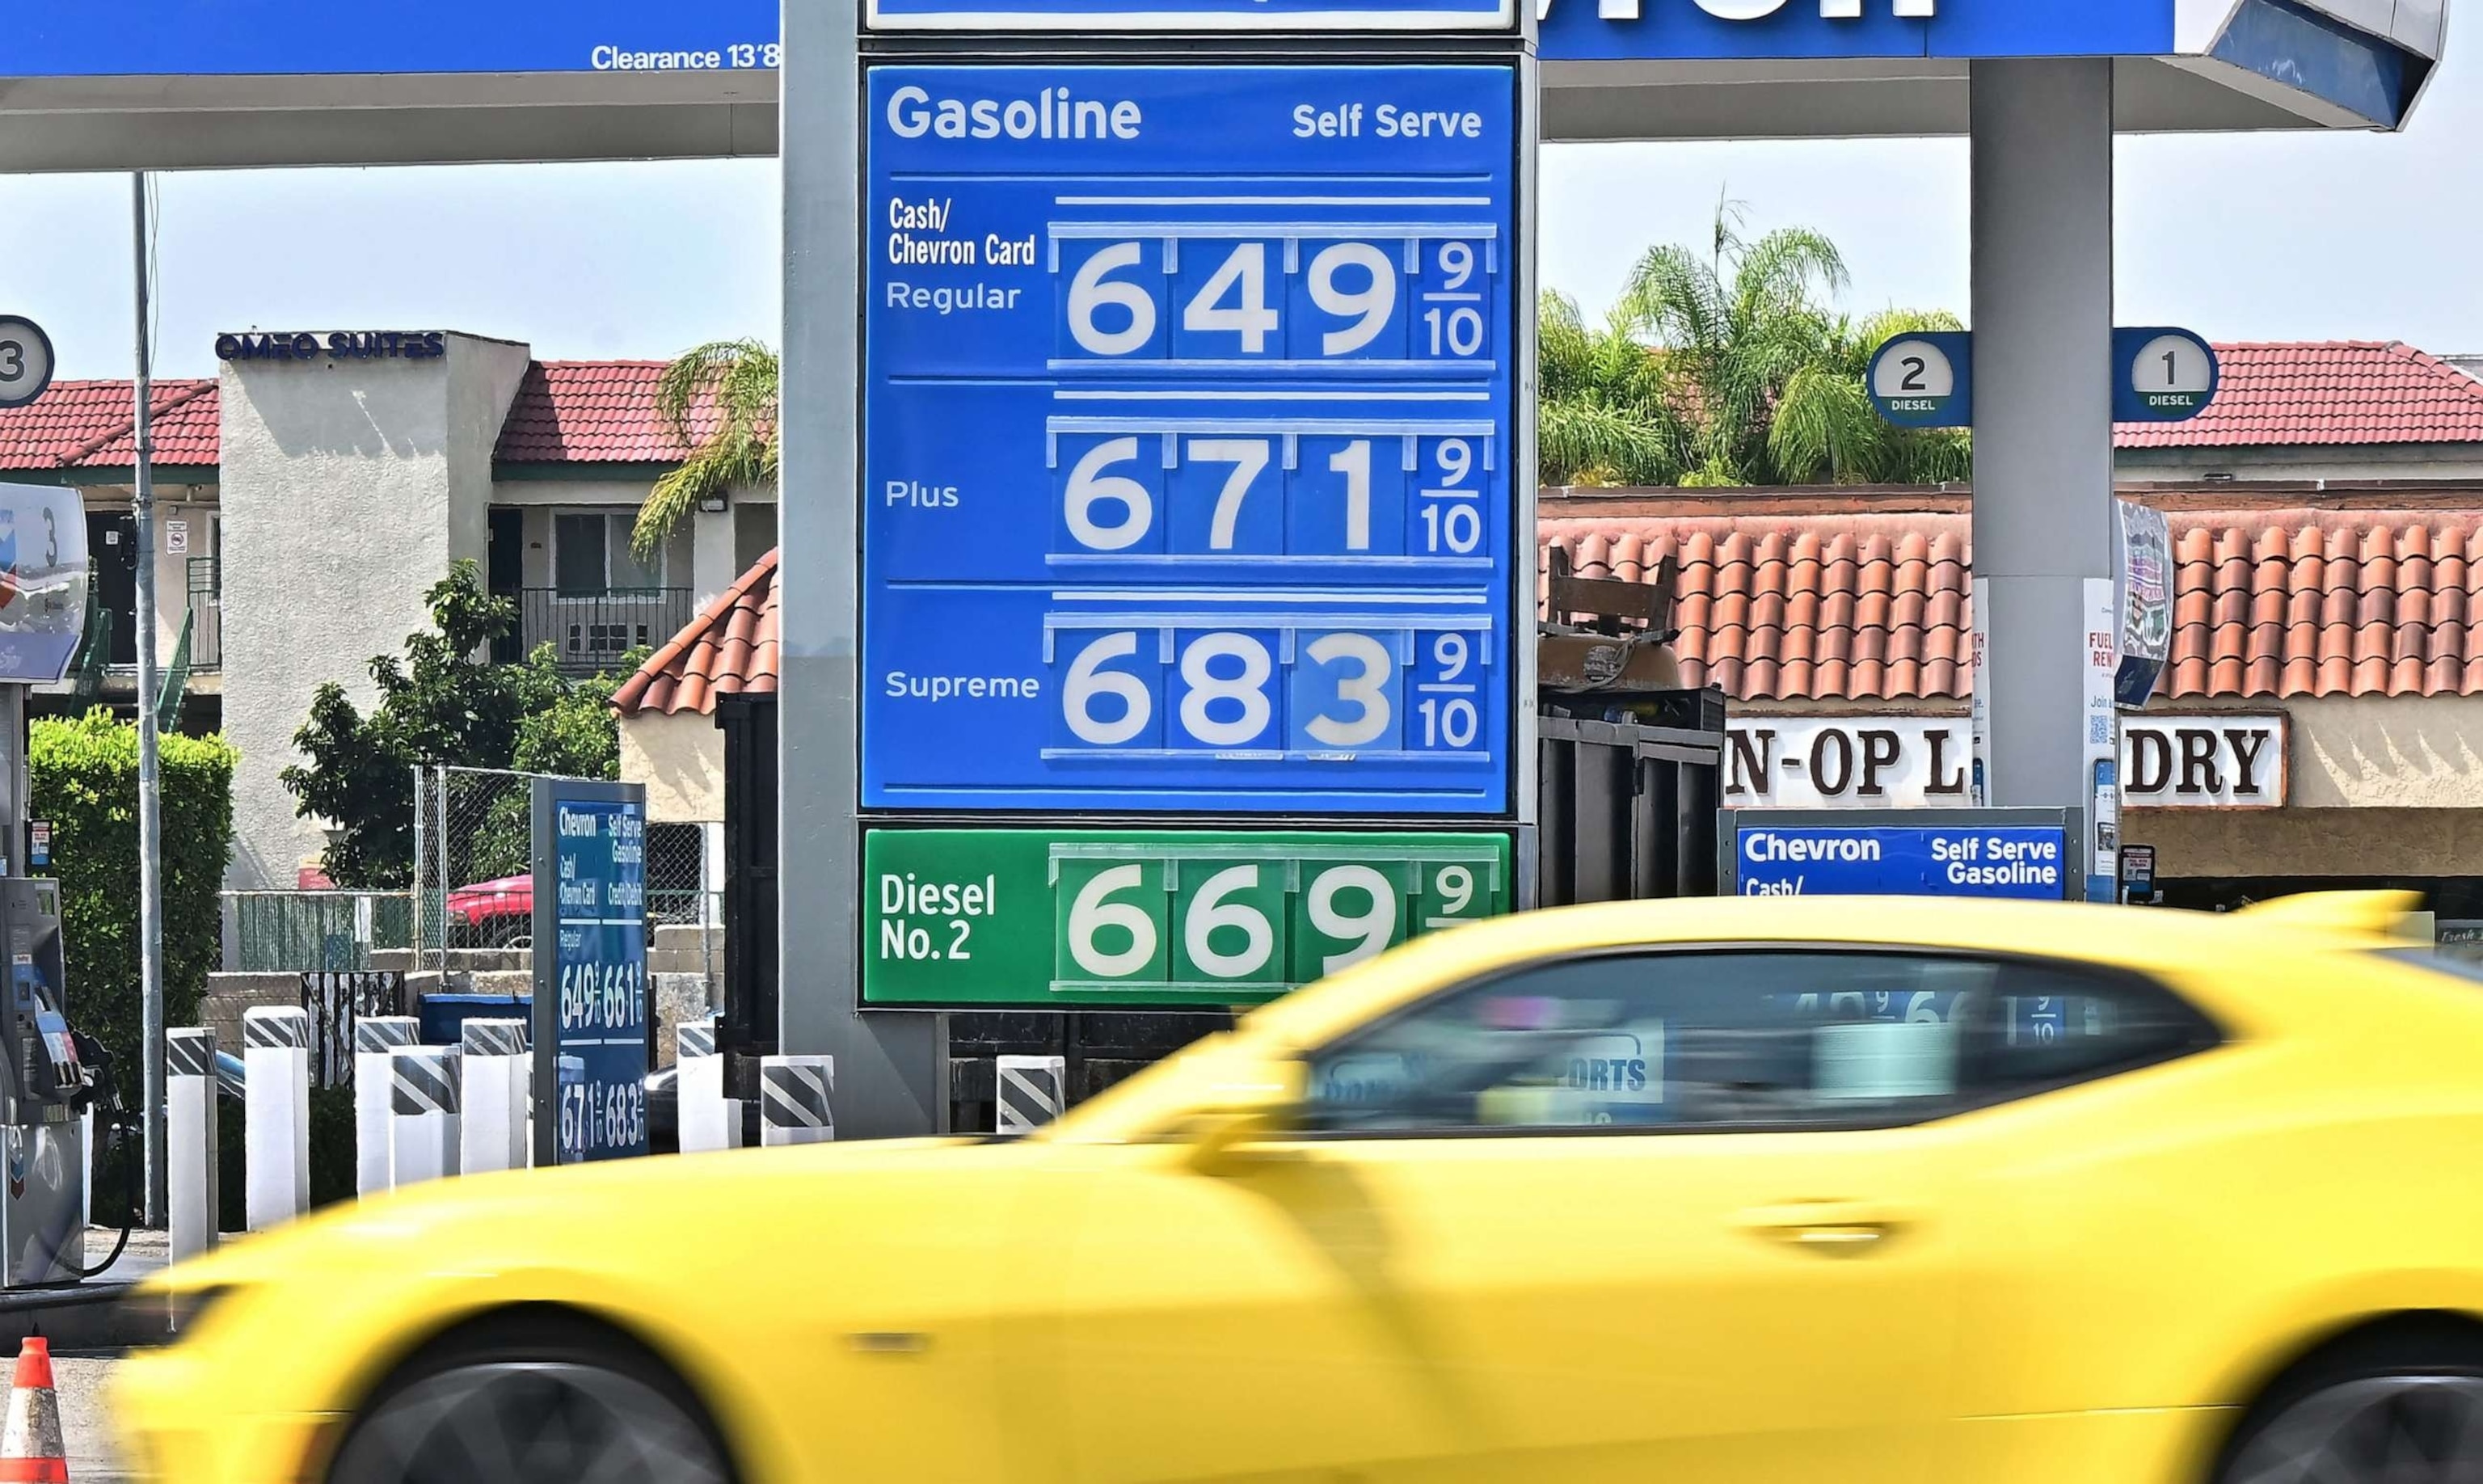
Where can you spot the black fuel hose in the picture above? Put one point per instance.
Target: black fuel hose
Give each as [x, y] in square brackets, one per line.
[120, 1130]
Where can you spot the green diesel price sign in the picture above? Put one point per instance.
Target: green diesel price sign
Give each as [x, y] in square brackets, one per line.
[1153, 918]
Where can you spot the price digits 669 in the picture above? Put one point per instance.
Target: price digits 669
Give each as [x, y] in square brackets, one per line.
[1120, 923]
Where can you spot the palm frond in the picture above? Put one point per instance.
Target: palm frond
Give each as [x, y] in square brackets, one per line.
[737, 386]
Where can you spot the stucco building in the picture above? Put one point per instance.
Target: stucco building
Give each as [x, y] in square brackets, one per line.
[2320, 722]
[2322, 719]
[311, 492]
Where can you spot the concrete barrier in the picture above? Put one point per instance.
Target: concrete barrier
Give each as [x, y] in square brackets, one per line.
[190, 1152]
[276, 1145]
[494, 1099]
[376, 1040]
[793, 1100]
[422, 1115]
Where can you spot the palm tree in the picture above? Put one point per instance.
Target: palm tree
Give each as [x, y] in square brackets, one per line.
[718, 401]
[1729, 367]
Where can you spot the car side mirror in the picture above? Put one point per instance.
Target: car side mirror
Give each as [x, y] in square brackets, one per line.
[1246, 1102]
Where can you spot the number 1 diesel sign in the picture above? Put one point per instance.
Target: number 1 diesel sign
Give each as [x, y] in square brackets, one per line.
[1189, 491]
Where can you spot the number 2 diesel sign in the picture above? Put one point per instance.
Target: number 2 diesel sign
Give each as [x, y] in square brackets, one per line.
[1187, 491]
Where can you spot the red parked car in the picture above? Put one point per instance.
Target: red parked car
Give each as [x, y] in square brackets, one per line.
[494, 914]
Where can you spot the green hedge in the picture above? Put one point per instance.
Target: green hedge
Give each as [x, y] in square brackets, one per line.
[86, 783]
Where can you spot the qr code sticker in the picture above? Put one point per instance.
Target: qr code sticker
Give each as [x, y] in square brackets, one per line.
[2098, 730]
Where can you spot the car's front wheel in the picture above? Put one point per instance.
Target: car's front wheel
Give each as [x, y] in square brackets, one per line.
[513, 1408]
[2414, 1417]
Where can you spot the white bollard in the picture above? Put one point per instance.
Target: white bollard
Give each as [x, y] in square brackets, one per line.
[1031, 1091]
[190, 1173]
[492, 1112]
[709, 1120]
[275, 1145]
[422, 1113]
[376, 1039]
[793, 1100]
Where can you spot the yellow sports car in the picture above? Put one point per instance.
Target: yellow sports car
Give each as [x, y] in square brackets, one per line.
[1769, 1190]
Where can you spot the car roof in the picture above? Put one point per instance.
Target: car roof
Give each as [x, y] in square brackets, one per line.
[2182, 945]
[2160, 941]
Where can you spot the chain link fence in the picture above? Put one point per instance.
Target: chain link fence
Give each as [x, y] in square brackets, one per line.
[473, 862]
[473, 877]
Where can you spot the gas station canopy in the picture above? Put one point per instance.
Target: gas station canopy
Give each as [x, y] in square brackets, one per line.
[172, 84]
[1808, 69]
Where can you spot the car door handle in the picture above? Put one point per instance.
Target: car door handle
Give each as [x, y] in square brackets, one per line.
[1847, 1227]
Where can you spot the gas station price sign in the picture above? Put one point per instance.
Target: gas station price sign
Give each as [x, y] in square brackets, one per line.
[592, 1034]
[1134, 919]
[1187, 464]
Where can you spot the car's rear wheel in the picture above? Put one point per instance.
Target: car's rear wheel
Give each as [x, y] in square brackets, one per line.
[507, 1409]
[2396, 1415]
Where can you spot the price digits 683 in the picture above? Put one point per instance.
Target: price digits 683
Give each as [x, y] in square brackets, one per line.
[1228, 690]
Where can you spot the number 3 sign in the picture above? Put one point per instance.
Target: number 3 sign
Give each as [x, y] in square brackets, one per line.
[25, 360]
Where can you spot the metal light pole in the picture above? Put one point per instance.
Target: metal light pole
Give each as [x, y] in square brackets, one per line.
[150, 812]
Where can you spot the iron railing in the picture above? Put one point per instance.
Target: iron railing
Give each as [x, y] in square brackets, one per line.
[592, 632]
[206, 615]
[298, 932]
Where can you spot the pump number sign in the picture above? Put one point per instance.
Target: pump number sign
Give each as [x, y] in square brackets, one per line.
[1188, 458]
[1086, 917]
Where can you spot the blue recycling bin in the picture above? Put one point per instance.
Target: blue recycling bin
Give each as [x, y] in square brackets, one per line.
[442, 1018]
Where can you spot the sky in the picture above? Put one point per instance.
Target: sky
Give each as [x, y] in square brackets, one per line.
[2253, 237]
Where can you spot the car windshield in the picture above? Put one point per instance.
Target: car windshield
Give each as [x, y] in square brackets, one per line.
[2441, 960]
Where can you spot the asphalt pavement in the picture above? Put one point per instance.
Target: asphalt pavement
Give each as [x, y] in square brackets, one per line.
[84, 1428]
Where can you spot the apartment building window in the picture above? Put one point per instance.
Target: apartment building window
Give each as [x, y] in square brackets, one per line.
[603, 604]
[591, 556]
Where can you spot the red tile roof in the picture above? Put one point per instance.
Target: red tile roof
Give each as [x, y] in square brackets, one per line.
[2342, 393]
[604, 411]
[729, 650]
[565, 412]
[90, 425]
[588, 411]
[2268, 603]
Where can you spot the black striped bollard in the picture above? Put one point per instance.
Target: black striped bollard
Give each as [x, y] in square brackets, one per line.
[793, 1100]
[1031, 1091]
[376, 1039]
[708, 1119]
[493, 1098]
[422, 1113]
[276, 1103]
[190, 1140]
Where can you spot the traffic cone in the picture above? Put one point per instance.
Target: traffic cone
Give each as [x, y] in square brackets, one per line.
[30, 1450]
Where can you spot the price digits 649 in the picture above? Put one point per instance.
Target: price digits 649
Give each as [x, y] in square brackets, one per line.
[1202, 296]
[603, 996]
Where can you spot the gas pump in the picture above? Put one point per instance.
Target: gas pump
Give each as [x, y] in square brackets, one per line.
[50, 1077]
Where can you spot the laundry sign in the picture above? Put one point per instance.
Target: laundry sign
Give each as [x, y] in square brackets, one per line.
[2211, 760]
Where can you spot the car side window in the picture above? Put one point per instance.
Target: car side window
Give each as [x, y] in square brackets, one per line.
[1752, 1039]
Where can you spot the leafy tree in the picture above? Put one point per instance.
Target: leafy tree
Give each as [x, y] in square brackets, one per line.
[84, 772]
[444, 702]
[1731, 367]
[719, 401]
